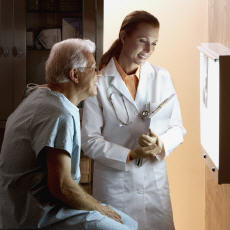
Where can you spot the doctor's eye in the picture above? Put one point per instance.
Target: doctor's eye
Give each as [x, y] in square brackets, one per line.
[142, 40]
[154, 44]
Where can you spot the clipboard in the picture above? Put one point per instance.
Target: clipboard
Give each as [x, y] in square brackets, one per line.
[148, 120]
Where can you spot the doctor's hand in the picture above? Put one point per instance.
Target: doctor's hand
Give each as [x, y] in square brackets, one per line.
[108, 211]
[145, 152]
[146, 140]
[152, 138]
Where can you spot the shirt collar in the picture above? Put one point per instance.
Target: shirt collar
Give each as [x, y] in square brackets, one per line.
[123, 73]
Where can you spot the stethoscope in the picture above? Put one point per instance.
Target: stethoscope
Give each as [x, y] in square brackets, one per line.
[145, 114]
[110, 95]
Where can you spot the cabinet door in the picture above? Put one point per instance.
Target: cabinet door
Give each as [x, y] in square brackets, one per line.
[6, 61]
[12, 55]
[19, 51]
[93, 16]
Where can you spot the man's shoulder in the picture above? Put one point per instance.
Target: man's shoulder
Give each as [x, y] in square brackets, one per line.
[47, 105]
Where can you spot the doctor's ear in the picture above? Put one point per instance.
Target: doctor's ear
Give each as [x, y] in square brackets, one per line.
[74, 75]
[122, 36]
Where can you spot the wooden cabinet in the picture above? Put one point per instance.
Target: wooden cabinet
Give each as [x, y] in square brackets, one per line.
[86, 173]
[46, 23]
[12, 56]
[22, 62]
[214, 108]
[86, 17]
[23, 55]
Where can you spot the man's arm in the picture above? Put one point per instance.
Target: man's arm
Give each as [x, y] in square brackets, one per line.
[64, 188]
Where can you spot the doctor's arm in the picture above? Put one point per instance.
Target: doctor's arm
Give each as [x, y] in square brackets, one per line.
[171, 138]
[64, 188]
[93, 142]
[174, 135]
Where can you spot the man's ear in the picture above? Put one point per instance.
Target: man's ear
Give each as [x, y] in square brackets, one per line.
[74, 75]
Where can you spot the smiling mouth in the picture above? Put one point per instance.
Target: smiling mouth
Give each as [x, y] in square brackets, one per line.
[142, 57]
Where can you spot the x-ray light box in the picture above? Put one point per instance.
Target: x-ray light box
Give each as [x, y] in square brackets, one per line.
[215, 108]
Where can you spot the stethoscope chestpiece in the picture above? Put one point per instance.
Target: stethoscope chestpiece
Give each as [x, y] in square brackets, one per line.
[144, 114]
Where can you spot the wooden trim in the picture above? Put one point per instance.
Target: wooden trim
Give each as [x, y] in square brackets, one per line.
[93, 24]
[85, 168]
[214, 50]
[88, 20]
[210, 164]
[217, 203]
[99, 29]
[19, 59]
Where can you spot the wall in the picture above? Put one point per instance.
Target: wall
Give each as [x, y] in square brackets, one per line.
[183, 27]
[217, 197]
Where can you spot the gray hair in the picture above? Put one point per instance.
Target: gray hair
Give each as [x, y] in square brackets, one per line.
[64, 56]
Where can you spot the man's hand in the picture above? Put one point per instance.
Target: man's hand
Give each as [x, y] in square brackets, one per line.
[108, 211]
[63, 187]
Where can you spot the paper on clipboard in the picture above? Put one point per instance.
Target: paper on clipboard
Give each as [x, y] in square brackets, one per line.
[161, 105]
[157, 109]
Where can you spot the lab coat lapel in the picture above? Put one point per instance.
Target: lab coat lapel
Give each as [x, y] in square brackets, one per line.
[117, 82]
[120, 86]
[143, 87]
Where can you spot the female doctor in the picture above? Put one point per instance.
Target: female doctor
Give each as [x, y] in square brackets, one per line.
[135, 98]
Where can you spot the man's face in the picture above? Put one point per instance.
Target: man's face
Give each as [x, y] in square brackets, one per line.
[88, 78]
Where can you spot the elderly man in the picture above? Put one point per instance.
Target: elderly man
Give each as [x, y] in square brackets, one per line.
[40, 155]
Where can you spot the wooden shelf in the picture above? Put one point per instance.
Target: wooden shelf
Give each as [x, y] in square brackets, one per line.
[214, 50]
[37, 50]
[77, 14]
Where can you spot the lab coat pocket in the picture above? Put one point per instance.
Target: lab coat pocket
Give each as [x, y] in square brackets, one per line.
[108, 185]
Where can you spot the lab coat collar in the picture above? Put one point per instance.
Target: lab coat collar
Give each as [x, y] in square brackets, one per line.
[116, 81]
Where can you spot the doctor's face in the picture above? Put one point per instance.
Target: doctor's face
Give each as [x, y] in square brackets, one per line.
[140, 44]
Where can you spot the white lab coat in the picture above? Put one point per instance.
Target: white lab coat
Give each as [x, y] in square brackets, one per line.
[142, 193]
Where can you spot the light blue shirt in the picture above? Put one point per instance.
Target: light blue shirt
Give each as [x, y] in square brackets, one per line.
[44, 118]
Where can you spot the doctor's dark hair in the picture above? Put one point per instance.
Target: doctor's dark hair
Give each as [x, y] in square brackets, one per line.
[65, 55]
[129, 24]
